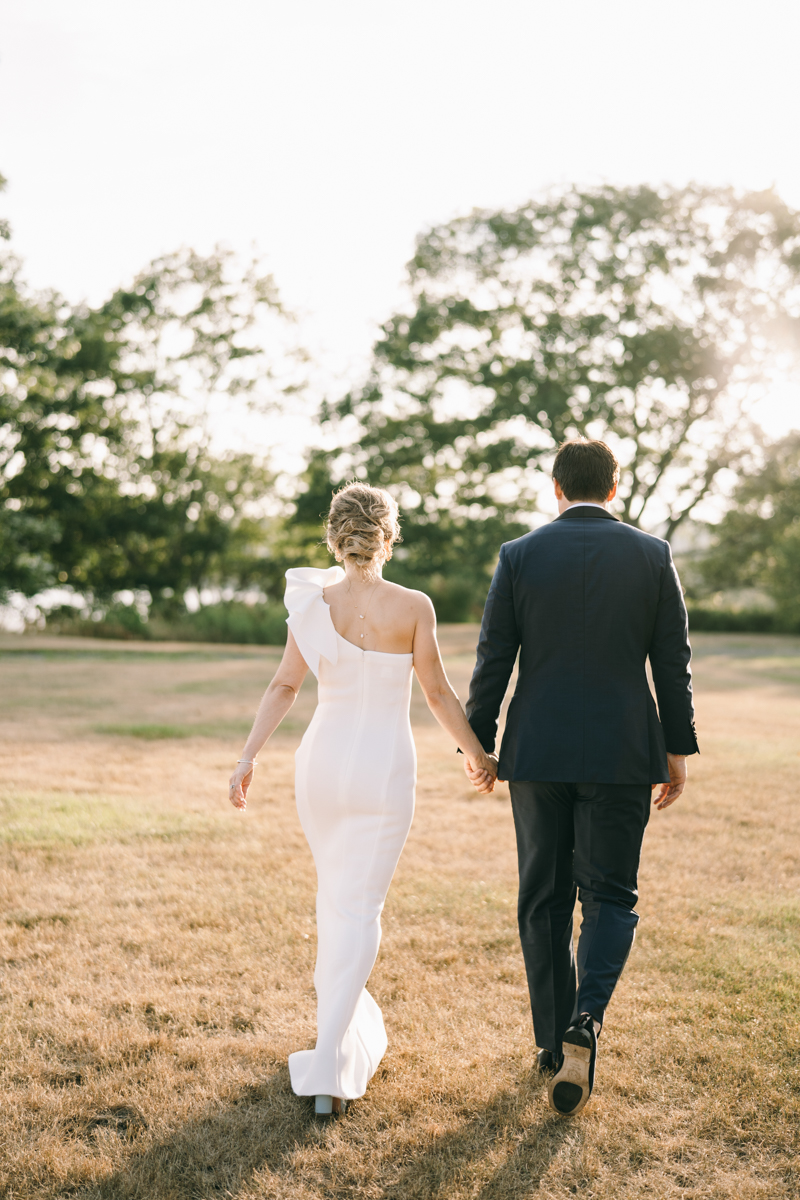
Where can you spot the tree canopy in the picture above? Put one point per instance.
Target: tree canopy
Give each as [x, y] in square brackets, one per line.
[757, 543]
[107, 479]
[649, 317]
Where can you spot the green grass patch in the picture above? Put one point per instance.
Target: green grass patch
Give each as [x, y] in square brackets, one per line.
[48, 818]
[28, 920]
[779, 667]
[68, 653]
[151, 733]
[156, 733]
[223, 685]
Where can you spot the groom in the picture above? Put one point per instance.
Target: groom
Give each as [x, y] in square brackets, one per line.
[586, 600]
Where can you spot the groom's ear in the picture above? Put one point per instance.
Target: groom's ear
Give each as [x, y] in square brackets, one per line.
[611, 494]
[558, 491]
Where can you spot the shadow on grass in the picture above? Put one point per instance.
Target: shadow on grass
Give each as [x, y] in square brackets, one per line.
[503, 1126]
[252, 1142]
[254, 1130]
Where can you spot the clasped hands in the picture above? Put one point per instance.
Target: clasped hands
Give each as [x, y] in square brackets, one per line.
[481, 771]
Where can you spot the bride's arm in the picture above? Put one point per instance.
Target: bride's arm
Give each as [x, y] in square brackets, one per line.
[275, 703]
[443, 701]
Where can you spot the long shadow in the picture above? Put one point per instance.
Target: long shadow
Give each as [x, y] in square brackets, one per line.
[450, 1158]
[216, 1154]
[260, 1129]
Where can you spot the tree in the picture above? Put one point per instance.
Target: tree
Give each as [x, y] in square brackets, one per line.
[645, 316]
[757, 543]
[107, 478]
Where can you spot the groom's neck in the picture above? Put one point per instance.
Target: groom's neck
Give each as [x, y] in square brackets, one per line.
[564, 503]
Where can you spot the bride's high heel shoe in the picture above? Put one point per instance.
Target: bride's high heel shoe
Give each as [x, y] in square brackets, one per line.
[329, 1106]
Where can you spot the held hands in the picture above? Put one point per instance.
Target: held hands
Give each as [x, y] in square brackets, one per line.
[669, 792]
[240, 782]
[481, 770]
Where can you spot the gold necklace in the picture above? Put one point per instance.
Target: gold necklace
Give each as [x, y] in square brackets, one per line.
[363, 616]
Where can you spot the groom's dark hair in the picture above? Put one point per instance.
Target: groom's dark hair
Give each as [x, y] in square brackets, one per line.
[585, 470]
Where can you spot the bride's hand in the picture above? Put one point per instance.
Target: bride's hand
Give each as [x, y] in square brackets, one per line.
[240, 782]
[481, 771]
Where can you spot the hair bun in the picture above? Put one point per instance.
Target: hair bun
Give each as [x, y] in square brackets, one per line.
[362, 519]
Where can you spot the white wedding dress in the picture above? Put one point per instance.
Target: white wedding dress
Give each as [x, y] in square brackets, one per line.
[355, 781]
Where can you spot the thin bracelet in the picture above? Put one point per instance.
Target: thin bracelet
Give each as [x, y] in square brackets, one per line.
[250, 761]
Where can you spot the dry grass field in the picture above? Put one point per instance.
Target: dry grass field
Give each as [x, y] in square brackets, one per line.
[156, 952]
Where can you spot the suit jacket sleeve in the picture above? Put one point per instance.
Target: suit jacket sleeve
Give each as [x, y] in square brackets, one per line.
[497, 652]
[670, 655]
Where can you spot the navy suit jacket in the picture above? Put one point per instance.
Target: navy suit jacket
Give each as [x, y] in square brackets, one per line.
[586, 600]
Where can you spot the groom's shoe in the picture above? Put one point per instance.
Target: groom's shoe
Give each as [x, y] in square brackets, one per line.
[548, 1061]
[572, 1084]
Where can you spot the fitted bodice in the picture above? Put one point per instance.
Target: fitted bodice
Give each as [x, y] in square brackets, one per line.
[380, 682]
[347, 674]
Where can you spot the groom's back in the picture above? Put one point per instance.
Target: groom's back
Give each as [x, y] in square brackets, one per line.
[586, 583]
[586, 599]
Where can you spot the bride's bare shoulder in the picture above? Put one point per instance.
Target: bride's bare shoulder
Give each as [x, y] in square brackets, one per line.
[412, 598]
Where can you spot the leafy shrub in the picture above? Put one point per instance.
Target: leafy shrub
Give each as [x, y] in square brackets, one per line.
[228, 621]
[120, 621]
[731, 620]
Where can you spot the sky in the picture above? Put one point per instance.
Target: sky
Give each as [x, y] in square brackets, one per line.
[328, 133]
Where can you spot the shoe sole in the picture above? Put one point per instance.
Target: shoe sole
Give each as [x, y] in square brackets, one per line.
[569, 1089]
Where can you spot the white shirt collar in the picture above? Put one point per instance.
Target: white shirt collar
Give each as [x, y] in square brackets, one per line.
[584, 504]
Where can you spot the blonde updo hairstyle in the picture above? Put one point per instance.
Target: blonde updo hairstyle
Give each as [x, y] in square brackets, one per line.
[362, 519]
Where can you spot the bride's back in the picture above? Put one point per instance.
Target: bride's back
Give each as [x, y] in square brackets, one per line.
[379, 615]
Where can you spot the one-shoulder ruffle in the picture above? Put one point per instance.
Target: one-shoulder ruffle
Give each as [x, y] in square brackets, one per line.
[309, 617]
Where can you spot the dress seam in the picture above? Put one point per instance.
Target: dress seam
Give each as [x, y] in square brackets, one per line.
[352, 999]
[345, 787]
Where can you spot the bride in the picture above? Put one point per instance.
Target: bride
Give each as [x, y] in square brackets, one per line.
[355, 768]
